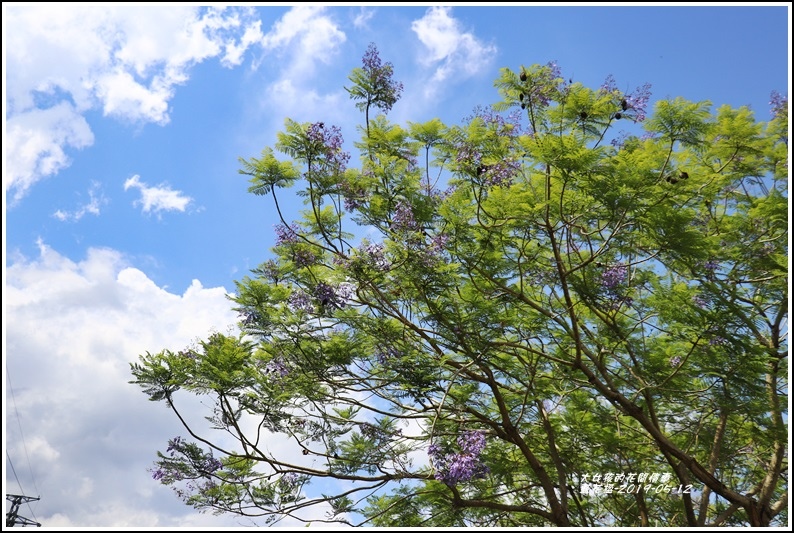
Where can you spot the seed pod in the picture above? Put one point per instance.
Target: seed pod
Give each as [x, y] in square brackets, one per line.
[684, 175]
[523, 76]
[624, 105]
[618, 116]
[521, 97]
[583, 115]
[523, 105]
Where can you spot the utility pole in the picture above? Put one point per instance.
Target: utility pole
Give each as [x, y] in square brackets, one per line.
[12, 516]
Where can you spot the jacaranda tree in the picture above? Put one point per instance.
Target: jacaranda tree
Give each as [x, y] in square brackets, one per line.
[532, 318]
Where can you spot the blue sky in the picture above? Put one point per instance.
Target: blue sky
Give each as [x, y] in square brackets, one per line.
[126, 221]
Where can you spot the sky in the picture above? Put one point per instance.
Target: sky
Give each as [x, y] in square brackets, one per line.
[126, 222]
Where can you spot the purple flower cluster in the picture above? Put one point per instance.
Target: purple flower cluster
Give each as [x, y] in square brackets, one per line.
[383, 355]
[637, 101]
[300, 301]
[613, 277]
[454, 468]
[700, 301]
[501, 174]
[609, 85]
[437, 244]
[354, 197]
[286, 235]
[675, 361]
[334, 297]
[403, 218]
[509, 126]
[328, 140]
[385, 91]
[303, 257]
[778, 104]
[277, 368]
[633, 105]
[613, 281]
[191, 354]
[375, 254]
[718, 341]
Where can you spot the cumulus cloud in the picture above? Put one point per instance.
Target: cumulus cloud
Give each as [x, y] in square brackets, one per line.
[157, 199]
[35, 144]
[448, 49]
[363, 17]
[78, 433]
[95, 200]
[124, 60]
[305, 36]
[72, 328]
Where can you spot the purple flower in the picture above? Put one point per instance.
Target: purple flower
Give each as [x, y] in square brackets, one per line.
[300, 301]
[675, 361]
[334, 297]
[472, 442]
[158, 474]
[778, 104]
[437, 244]
[286, 235]
[327, 140]
[609, 85]
[383, 355]
[174, 445]
[700, 301]
[190, 354]
[375, 254]
[384, 92]
[500, 174]
[403, 218]
[613, 277]
[454, 468]
[637, 101]
[277, 368]
[718, 341]
[212, 464]
[541, 85]
[304, 257]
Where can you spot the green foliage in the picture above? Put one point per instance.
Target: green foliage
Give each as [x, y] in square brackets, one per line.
[588, 303]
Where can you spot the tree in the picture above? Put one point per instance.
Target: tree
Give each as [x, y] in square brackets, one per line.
[544, 323]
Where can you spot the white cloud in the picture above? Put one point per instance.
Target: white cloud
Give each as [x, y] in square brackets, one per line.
[363, 16]
[35, 143]
[72, 329]
[96, 199]
[88, 435]
[157, 199]
[316, 36]
[125, 60]
[306, 36]
[449, 49]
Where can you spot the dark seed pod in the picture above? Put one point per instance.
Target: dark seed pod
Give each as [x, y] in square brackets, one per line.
[672, 180]
[624, 105]
[684, 175]
[618, 116]
[523, 105]
[305, 452]
[521, 97]
[523, 76]
[583, 115]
